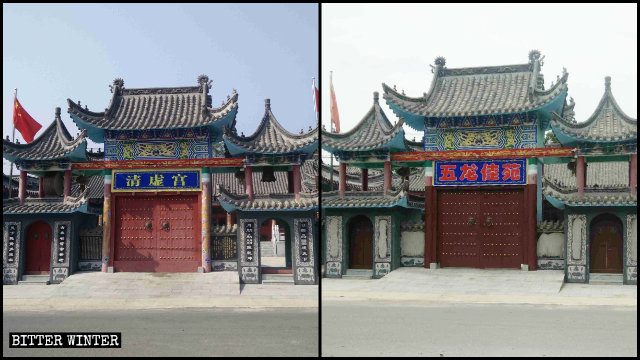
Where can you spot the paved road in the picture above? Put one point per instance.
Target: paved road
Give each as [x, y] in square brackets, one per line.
[177, 332]
[366, 329]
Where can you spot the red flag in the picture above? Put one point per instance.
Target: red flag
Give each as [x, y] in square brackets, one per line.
[316, 105]
[335, 119]
[24, 122]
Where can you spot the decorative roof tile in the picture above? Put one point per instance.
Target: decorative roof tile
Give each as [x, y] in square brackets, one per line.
[560, 175]
[608, 123]
[374, 131]
[610, 174]
[224, 229]
[480, 90]
[280, 202]
[548, 226]
[157, 108]
[54, 143]
[270, 138]
[366, 199]
[95, 187]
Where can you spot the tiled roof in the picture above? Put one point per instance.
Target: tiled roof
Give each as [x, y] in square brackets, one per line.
[376, 179]
[364, 199]
[600, 175]
[374, 131]
[45, 205]
[224, 229]
[611, 174]
[55, 142]
[157, 108]
[95, 187]
[607, 124]
[270, 138]
[280, 186]
[560, 175]
[32, 184]
[550, 226]
[570, 197]
[95, 156]
[480, 90]
[282, 202]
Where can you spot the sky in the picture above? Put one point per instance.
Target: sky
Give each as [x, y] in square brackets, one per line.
[54, 52]
[366, 45]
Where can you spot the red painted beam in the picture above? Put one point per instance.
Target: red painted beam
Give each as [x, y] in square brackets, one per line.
[173, 163]
[482, 154]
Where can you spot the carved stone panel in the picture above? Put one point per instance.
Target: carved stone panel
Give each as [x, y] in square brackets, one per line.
[61, 250]
[576, 269]
[382, 239]
[249, 259]
[631, 256]
[11, 241]
[304, 251]
[381, 269]
[334, 238]
[333, 270]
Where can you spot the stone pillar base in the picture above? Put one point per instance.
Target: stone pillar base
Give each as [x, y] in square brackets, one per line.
[434, 266]
[524, 267]
[110, 269]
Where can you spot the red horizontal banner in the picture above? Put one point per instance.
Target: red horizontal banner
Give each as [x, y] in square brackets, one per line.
[174, 163]
[482, 154]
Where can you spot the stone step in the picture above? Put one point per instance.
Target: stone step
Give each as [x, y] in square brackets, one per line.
[358, 274]
[605, 279]
[34, 280]
[277, 279]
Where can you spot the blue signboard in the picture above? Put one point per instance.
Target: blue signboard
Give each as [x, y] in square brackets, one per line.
[480, 172]
[156, 180]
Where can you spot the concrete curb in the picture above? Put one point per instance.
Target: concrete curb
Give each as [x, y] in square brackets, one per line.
[431, 299]
[67, 304]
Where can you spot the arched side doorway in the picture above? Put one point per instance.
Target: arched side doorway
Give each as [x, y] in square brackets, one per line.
[275, 246]
[360, 243]
[606, 244]
[38, 252]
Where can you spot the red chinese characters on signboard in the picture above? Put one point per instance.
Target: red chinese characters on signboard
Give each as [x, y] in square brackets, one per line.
[497, 171]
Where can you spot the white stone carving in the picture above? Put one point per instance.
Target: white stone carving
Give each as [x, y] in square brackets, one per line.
[334, 235]
[632, 240]
[550, 245]
[382, 238]
[577, 237]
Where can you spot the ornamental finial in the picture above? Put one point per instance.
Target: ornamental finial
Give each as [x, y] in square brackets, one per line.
[534, 55]
[57, 112]
[375, 96]
[118, 82]
[267, 104]
[203, 79]
[607, 82]
[440, 61]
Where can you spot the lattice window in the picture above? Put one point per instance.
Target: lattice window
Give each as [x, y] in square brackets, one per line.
[91, 244]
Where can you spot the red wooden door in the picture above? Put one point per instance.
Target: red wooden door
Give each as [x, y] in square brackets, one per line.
[480, 228]
[502, 229]
[157, 233]
[135, 243]
[38, 248]
[606, 245]
[178, 228]
[361, 244]
[458, 226]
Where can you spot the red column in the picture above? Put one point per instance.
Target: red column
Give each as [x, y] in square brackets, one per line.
[67, 183]
[229, 222]
[531, 204]
[387, 176]
[580, 175]
[429, 218]
[297, 181]
[633, 173]
[106, 225]
[248, 182]
[41, 187]
[365, 179]
[22, 186]
[343, 179]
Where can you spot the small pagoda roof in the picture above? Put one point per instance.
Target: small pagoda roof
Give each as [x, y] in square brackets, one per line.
[397, 196]
[156, 108]
[608, 123]
[477, 91]
[373, 132]
[270, 138]
[54, 143]
[271, 202]
[607, 185]
[548, 226]
[47, 205]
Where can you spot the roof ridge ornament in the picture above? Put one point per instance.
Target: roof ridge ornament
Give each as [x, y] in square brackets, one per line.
[376, 95]
[118, 83]
[607, 82]
[204, 82]
[267, 104]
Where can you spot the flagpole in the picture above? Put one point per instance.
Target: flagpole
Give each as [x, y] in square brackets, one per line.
[331, 129]
[13, 140]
